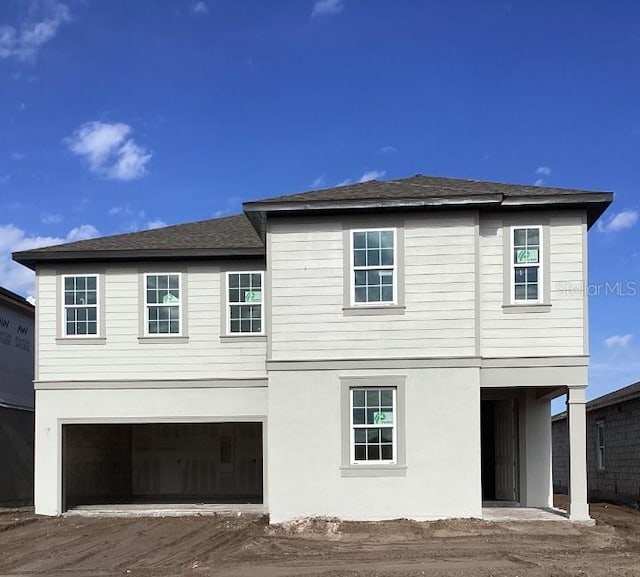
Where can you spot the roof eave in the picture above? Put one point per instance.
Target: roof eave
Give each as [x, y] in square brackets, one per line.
[31, 258]
[332, 205]
[594, 203]
[13, 299]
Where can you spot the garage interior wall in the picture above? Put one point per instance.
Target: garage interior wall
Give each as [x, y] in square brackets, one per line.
[161, 463]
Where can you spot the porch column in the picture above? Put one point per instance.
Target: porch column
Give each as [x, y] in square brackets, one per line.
[577, 421]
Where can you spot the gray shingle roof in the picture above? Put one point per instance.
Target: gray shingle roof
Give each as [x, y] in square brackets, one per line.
[622, 395]
[11, 298]
[418, 187]
[241, 235]
[232, 235]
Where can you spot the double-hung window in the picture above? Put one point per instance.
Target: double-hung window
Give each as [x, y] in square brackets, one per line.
[245, 309]
[373, 425]
[80, 305]
[374, 267]
[526, 264]
[600, 445]
[163, 304]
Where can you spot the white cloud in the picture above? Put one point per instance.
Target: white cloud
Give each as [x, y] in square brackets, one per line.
[24, 42]
[539, 182]
[318, 182]
[388, 149]
[109, 150]
[199, 8]
[50, 218]
[619, 221]
[82, 232]
[345, 182]
[16, 277]
[372, 175]
[618, 341]
[544, 170]
[152, 224]
[4, 178]
[327, 8]
[17, 156]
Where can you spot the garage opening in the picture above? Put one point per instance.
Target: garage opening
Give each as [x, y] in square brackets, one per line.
[162, 463]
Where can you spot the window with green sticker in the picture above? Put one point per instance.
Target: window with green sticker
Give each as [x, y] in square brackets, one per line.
[163, 304]
[245, 303]
[373, 426]
[526, 264]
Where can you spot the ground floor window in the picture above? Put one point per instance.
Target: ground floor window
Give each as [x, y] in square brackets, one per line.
[373, 424]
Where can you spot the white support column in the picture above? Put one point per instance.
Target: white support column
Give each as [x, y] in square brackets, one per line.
[577, 420]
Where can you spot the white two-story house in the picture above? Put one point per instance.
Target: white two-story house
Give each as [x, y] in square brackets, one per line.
[374, 351]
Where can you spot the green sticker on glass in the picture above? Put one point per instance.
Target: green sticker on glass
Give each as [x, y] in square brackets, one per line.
[252, 296]
[524, 256]
[383, 418]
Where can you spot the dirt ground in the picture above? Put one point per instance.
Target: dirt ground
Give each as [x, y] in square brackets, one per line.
[246, 547]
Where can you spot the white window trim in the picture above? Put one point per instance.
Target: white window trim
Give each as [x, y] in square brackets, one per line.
[394, 268]
[600, 458]
[64, 334]
[540, 264]
[179, 305]
[352, 426]
[228, 304]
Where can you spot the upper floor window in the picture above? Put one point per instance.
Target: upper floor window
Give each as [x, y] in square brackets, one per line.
[80, 305]
[244, 303]
[374, 267]
[526, 252]
[163, 304]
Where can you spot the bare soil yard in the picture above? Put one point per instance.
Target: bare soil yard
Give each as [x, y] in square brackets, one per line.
[247, 546]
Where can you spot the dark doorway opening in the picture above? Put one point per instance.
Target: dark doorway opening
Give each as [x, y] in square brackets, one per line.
[499, 449]
[162, 463]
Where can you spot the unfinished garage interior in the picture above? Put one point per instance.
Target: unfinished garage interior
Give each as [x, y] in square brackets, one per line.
[162, 463]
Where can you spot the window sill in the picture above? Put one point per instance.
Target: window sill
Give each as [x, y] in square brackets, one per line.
[243, 338]
[77, 341]
[374, 310]
[524, 308]
[373, 471]
[169, 340]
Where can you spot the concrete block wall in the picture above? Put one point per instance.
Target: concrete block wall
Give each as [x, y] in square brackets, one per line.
[619, 481]
[560, 456]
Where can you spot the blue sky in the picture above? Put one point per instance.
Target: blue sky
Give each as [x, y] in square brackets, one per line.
[119, 116]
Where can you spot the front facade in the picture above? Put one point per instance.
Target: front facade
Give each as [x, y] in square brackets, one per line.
[16, 399]
[382, 350]
[613, 447]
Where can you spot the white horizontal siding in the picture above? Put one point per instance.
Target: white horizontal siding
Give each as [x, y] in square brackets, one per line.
[557, 332]
[308, 321]
[124, 357]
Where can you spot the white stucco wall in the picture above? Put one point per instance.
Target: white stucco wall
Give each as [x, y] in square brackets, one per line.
[535, 458]
[55, 407]
[442, 424]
